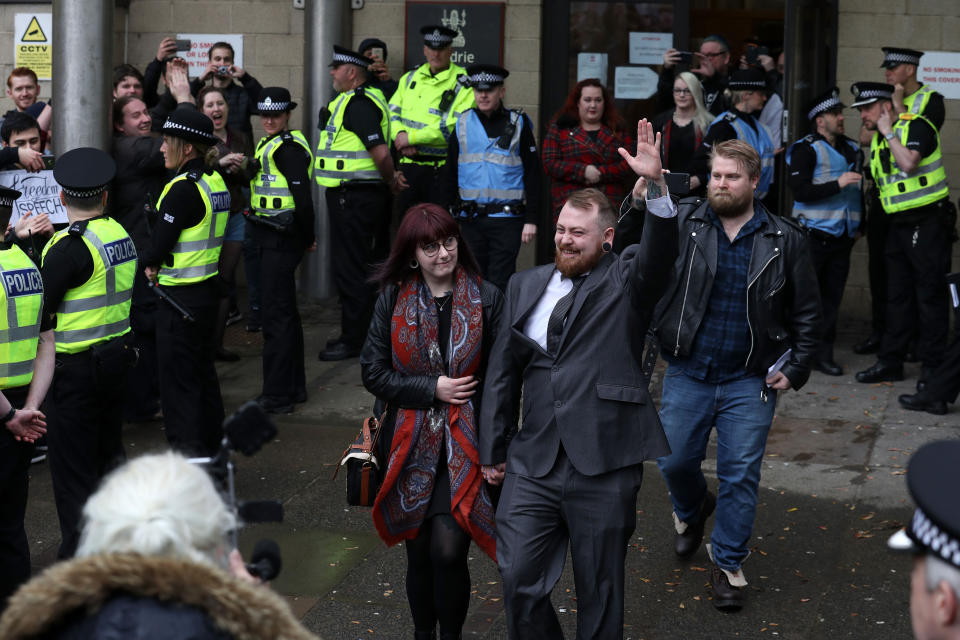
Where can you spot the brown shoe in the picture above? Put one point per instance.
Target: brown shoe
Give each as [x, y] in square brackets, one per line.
[726, 597]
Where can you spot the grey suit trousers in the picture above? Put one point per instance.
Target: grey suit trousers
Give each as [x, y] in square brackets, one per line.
[536, 518]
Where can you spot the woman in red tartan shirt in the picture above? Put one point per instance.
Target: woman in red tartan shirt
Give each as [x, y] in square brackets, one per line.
[580, 150]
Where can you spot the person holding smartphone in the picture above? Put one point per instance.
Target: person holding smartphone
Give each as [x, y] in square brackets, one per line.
[224, 75]
[378, 73]
[711, 64]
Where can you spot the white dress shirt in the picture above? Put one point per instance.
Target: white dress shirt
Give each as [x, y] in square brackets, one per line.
[536, 326]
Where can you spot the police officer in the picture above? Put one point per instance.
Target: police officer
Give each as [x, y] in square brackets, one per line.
[423, 112]
[353, 162]
[492, 176]
[933, 539]
[906, 164]
[282, 226]
[748, 95]
[26, 368]
[900, 69]
[88, 270]
[824, 175]
[181, 262]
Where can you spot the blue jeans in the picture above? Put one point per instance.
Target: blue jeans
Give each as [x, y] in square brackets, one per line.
[689, 411]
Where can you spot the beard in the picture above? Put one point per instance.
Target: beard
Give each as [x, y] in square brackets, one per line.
[727, 205]
[573, 266]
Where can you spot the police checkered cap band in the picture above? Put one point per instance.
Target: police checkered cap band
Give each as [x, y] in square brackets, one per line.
[343, 58]
[901, 58]
[75, 193]
[826, 105]
[270, 105]
[485, 77]
[873, 94]
[171, 125]
[6, 202]
[747, 84]
[937, 541]
[437, 39]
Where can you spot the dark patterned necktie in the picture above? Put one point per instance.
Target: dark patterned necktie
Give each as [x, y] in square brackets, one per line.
[559, 315]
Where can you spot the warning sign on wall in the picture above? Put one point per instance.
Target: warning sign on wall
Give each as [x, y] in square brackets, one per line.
[941, 70]
[33, 43]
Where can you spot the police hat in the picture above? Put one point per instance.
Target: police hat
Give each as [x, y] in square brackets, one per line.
[85, 172]
[437, 37]
[7, 197]
[751, 79]
[823, 103]
[189, 125]
[342, 55]
[933, 476]
[274, 100]
[895, 56]
[867, 92]
[370, 43]
[486, 76]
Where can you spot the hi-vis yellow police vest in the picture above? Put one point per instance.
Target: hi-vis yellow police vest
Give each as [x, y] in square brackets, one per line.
[197, 252]
[21, 294]
[99, 309]
[340, 155]
[917, 101]
[269, 191]
[426, 107]
[900, 191]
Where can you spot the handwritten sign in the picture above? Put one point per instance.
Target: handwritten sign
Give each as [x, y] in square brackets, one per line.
[941, 70]
[200, 43]
[41, 194]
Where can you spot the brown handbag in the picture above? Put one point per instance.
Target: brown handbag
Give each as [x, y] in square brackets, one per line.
[364, 472]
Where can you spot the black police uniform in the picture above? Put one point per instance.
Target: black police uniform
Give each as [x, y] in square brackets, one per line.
[84, 416]
[494, 241]
[830, 254]
[280, 251]
[14, 474]
[359, 214]
[186, 349]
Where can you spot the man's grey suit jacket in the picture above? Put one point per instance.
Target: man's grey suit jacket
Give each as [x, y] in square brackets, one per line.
[591, 396]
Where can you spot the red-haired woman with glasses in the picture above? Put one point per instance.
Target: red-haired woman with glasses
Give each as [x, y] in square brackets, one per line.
[580, 149]
[425, 354]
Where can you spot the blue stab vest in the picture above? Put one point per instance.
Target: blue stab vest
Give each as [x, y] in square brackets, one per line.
[759, 140]
[839, 214]
[486, 173]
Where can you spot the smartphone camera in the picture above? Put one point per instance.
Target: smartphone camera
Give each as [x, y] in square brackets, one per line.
[686, 57]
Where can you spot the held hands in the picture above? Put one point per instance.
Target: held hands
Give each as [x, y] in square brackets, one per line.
[27, 425]
[455, 390]
[399, 182]
[493, 474]
[848, 178]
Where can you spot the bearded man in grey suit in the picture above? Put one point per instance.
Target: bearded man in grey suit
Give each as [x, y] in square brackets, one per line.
[573, 339]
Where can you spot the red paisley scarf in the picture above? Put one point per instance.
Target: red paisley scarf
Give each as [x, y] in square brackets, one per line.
[404, 497]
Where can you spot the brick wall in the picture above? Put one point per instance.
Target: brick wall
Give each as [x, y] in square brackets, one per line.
[865, 26]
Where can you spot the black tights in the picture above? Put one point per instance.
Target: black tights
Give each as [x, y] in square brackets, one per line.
[438, 579]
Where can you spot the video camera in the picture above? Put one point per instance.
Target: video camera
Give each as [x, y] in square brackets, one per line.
[246, 431]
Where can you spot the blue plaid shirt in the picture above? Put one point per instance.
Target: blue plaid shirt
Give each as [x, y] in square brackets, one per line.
[722, 343]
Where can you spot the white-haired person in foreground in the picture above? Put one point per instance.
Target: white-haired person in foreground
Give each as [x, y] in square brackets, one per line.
[154, 562]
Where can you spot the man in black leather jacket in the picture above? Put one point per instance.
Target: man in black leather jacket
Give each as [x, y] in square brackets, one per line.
[739, 322]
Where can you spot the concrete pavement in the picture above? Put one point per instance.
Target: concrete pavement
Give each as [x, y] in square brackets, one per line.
[832, 491]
